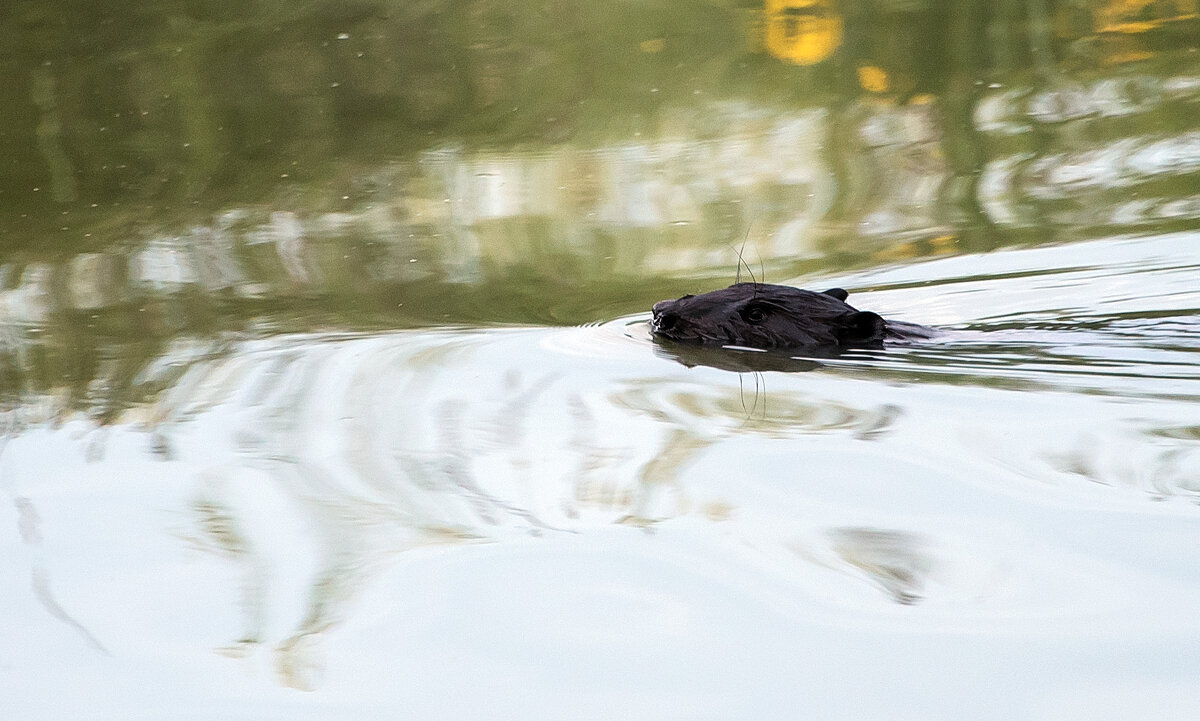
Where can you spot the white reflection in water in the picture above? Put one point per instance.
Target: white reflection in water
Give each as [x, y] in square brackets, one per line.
[448, 521]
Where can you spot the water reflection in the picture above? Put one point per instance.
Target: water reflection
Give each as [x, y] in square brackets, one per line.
[317, 459]
[734, 359]
[914, 160]
[345, 450]
[804, 32]
[895, 560]
[258, 268]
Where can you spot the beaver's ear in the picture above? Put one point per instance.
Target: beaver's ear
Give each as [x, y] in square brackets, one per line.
[861, 327]
[839, 293]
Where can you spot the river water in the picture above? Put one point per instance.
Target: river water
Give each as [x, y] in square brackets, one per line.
[325, 395]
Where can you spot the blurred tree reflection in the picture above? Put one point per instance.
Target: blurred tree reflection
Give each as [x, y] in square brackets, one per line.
[182, 167]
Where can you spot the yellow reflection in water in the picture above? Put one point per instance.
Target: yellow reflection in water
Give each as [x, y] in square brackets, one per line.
[655, 45]
[873, 79]
[1139, 16]
[1131, 30]
[804, 32]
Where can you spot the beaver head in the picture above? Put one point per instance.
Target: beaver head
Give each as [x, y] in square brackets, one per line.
[768, 317]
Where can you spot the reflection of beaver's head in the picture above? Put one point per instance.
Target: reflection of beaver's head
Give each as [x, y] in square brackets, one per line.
[768, 317]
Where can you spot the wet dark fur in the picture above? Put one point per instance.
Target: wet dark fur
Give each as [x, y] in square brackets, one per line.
[775, 317]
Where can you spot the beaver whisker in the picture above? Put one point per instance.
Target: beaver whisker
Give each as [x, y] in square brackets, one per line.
[737, 276]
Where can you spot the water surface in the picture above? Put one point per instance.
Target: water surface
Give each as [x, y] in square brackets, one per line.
[327, 390]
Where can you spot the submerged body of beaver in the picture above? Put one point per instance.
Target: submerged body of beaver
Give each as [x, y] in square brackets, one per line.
[776, 318]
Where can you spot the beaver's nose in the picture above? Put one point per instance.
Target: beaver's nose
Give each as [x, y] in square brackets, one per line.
[664, 317]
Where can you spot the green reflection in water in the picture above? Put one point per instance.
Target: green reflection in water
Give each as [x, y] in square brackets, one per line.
[189, 169]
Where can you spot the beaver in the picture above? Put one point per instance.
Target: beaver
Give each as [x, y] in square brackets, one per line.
[775, 318]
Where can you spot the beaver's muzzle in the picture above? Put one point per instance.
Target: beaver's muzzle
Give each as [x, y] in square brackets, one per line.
[663, 317]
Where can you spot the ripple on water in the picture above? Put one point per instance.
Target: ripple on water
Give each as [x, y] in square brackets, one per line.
[1025, 481]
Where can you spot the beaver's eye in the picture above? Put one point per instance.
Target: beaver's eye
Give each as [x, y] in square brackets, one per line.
[755, 314]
